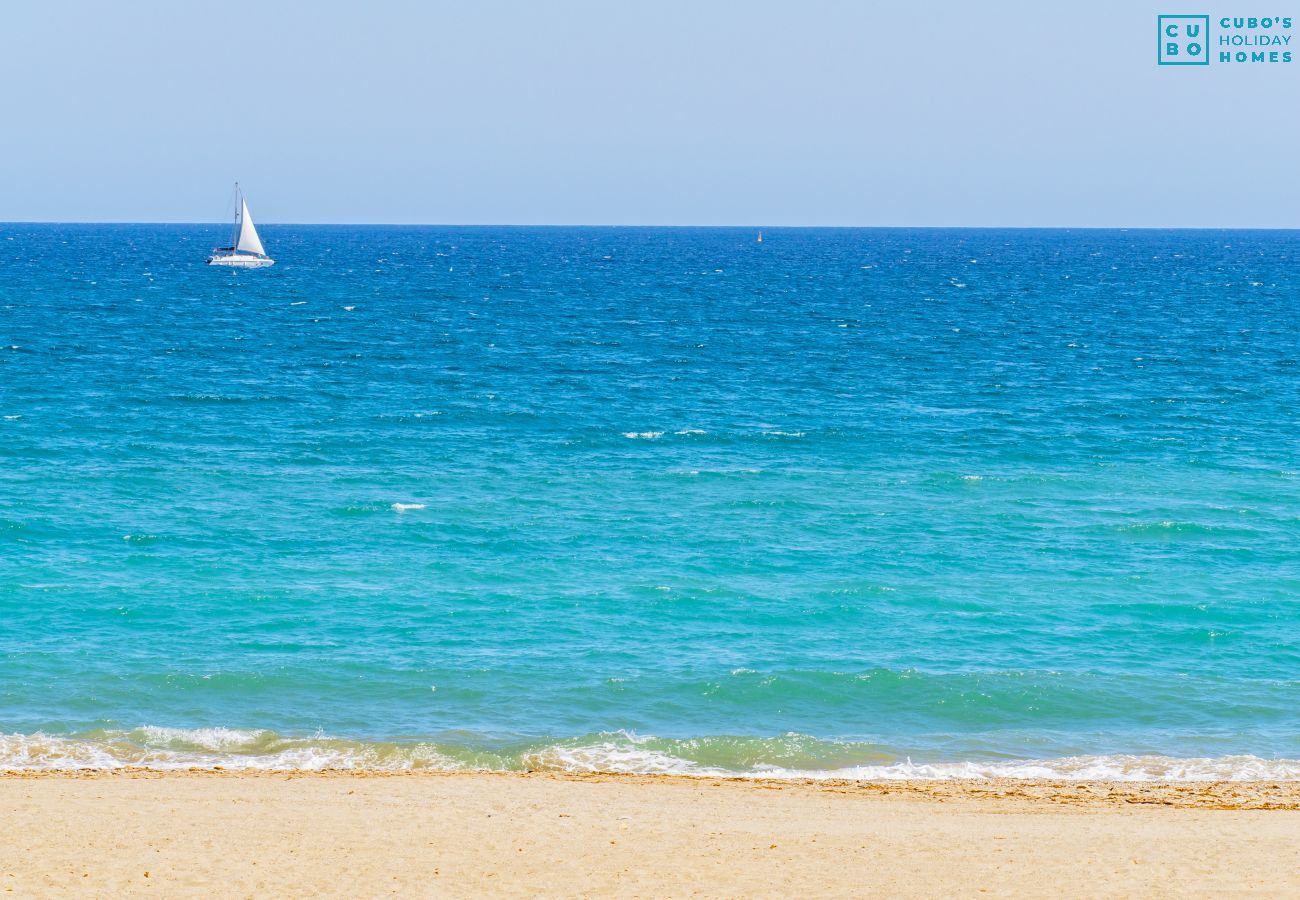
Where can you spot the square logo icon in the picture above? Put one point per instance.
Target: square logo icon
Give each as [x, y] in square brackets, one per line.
[1184, 40]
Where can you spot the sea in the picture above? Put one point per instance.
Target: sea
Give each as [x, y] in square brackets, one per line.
[853, 503]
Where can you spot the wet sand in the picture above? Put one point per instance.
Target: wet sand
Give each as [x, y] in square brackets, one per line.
[269, 834]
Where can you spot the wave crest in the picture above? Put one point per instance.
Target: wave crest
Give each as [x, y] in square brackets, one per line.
[782, 757]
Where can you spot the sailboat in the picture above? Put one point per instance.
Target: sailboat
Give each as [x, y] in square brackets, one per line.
[760, 237]
[245, 250]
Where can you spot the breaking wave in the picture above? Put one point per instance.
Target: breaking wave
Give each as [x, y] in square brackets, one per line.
[785, 757]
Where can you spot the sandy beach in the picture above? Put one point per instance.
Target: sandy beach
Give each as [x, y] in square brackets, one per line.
[190, 834]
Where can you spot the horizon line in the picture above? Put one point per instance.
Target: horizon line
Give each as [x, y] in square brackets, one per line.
[680, 226]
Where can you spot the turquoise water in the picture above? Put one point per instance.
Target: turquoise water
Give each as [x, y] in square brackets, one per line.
[871, 502]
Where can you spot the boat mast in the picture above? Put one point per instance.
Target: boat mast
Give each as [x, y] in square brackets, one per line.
[234, 237]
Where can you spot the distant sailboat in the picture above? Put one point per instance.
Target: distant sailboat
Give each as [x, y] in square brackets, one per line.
[245, 250]
[760, 237]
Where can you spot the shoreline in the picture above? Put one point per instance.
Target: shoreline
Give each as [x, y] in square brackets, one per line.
[1255, 794]
[799, 758]
[125, 833]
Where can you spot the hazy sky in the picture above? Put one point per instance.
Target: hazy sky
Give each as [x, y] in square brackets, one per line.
[804, 112]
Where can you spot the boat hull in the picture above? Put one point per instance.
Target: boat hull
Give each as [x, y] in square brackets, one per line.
[240, 261]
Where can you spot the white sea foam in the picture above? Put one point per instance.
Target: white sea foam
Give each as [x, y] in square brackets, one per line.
[633, 754]
[628, 756]
[403, 507]
[1070, 768]
[178, 748]
[164, 748]
[643, 435]
[205, 738]
[624, 755]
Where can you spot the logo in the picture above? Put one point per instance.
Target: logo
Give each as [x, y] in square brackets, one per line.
[1184, 40]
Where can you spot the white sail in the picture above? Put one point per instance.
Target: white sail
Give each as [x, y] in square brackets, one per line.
[248, 242]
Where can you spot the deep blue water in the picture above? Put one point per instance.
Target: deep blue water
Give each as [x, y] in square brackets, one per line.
[651, 498]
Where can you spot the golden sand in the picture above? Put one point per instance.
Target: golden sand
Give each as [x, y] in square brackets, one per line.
[345, 834]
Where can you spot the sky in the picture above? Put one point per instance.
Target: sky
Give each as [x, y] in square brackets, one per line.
[747, 112]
